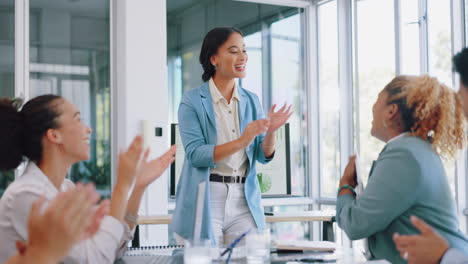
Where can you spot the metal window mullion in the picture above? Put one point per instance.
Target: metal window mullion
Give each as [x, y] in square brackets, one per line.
[313, 123]
[21, 56]
[458, 42]
[423, 37]
[398, 46]
[345, 47]
[356, 80]
[267, 69]
[22, 49]
[345, 80]
[113, 81]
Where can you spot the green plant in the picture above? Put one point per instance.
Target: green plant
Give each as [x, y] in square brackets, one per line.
[92, 171]
[265, 182]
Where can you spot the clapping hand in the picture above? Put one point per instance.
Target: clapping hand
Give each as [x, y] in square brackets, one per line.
[128, 163]
[278, 118]
[149, 171]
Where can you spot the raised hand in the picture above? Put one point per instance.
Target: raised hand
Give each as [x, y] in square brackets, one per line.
[99, 213]
[254, 129]
[149, 171]
[349, 174]
[53, 232]
[279, 118]
[128, 163]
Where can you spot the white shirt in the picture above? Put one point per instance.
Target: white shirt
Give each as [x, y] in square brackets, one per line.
[228, 129]
[397, 137]
[15, 206]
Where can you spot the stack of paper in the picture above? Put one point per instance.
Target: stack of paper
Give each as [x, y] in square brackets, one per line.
[305, 245]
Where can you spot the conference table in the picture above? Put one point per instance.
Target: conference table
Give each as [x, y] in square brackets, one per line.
[340, 256]
[326, 217]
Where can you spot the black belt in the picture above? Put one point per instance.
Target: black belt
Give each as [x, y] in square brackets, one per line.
[227, 179]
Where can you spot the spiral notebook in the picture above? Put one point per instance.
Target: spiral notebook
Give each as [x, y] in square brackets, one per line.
[152, 250]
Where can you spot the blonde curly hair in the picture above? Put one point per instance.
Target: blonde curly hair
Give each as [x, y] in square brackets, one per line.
[429, 110]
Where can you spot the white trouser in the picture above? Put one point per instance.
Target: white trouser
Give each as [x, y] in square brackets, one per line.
[230, 214]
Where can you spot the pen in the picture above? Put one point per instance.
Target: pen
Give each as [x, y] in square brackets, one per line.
[233, 244]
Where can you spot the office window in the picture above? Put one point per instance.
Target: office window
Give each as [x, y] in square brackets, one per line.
[7, 66]
[410, 44]
[440, 55]
[69, 56]
[253, 79]
[329, 98]
[375, 68]
[288, 86]
[275, 45]
[440, 45]
[466, 23]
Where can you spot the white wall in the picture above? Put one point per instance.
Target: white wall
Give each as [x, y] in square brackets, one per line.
[140, 91]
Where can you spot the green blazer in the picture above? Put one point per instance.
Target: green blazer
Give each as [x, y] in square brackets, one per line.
[408, 178]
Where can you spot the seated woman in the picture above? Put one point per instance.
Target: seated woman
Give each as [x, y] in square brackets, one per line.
[52, 231]
[419, 119]
[48, 131]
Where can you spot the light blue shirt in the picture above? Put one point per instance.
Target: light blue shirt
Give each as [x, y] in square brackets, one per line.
[454, 256]
[408, 178]
[197, 125]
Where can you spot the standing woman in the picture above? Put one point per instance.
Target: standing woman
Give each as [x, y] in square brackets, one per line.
[224, 132]
[48, 132]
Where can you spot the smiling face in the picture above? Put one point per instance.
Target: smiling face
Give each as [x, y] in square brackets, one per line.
[231, 58]
[72, 136]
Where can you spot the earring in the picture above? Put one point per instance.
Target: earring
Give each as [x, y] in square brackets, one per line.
[215, 67]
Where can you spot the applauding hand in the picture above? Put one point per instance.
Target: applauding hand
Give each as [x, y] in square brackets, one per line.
[149, 171]
[279, 118]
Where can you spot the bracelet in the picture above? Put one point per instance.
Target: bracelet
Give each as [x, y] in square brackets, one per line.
[347, 186]
[131, 218]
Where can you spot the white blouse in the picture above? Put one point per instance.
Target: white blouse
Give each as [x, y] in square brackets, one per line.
[107, 244]
[228, 129]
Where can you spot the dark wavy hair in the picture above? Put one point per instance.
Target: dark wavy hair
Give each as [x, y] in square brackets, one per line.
[460, 65]
[211, 43]
[21, 132]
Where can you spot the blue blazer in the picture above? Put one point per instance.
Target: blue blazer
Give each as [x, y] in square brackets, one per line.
[407, 179]
[197, 126]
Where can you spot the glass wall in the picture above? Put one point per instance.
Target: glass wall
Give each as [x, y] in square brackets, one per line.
[287, 86]
[440, 55]
[7, 65]
[69, 56]
[375, 67]
[466, 23]
[440, 40]
[329, 98]
[410, 44]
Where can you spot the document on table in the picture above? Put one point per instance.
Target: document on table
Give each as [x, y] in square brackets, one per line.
[304, 245]
[382, 261]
